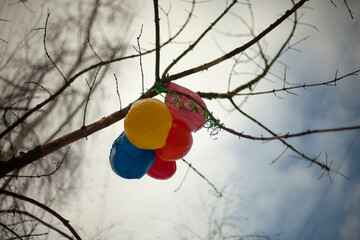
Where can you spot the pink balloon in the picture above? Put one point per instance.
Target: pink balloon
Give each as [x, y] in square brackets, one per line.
[184, 109]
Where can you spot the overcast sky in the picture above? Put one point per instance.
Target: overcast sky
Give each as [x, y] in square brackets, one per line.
[285, 200]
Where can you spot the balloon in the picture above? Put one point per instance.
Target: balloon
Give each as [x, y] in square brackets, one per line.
[178, 143]
[128, 161]
[193, 115]
[148, 123]
[162, 169]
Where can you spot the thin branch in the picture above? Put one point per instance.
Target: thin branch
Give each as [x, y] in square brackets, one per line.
[183, 180]
[31, 236]
[219, 194]
[167, 18]
[88, 97]
[46, 51]
[291, 46]
[10, 230]
[117, 91]
[39, 220]
[184, 24]
[308, 132]
[44, 207]
[333, 82]
[92, 49]
[236, 61]
[140, 59]
[42, 87]
[333, 3]
[280, 155]
[349, 10]
[7, 108]
[157, 41]
[4, 41]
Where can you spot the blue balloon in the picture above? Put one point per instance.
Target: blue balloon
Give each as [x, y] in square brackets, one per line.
[128, 161]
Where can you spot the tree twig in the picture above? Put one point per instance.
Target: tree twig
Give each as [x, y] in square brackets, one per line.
[140, 59]
[88, 97]
[39, 220]
[333, 82]
[10, 230]
[219, 194]
[93, 50]
[42, 87]
[44, 207]
[46, 51]
[183, 180]
[348, 8]
[157, 41]
[117, 91]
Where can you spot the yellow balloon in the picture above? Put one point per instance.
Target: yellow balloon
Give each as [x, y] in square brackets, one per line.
[148, 123]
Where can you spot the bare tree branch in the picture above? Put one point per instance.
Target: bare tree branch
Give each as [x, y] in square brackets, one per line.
[88, 97]
[13, 211]
[117, 91]
[140, 59]
[10, 230]
[218, 193]
[46, 51]
[44, 207]
[157, 41]
[349, 10]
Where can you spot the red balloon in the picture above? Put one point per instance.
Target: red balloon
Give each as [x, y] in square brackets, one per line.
[178, 142]
[162, 169]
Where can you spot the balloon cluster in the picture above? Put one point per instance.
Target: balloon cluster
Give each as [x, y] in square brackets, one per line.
[157, 134]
